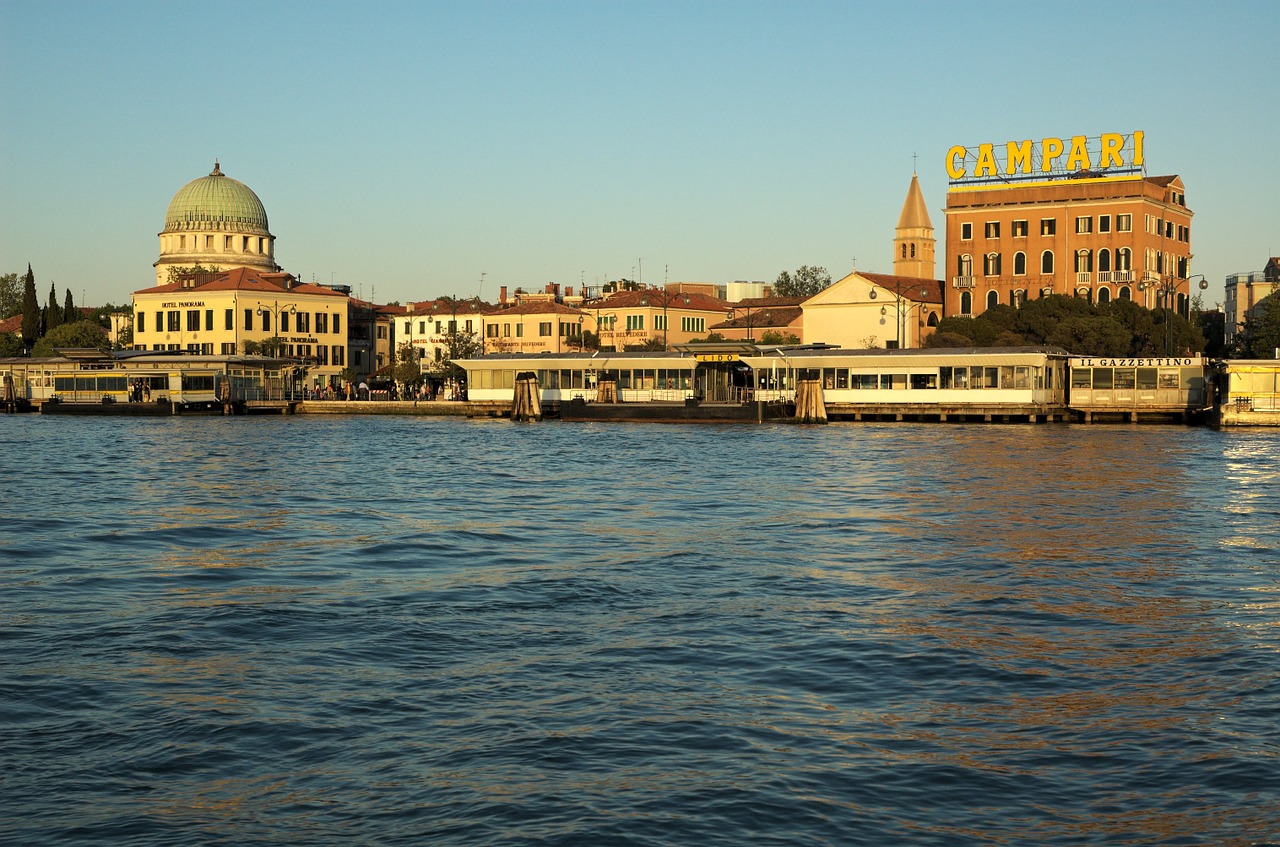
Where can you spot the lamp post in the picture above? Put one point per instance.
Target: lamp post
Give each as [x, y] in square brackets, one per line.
[612, 320]
[900, 315]
[666, 302]
[1165, 288]
[275, 310]
[582, 346]
[733, 315]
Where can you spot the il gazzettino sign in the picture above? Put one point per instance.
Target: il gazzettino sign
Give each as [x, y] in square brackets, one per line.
[1111, 155]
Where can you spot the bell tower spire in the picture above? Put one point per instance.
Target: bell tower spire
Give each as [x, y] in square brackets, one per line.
[913, 241]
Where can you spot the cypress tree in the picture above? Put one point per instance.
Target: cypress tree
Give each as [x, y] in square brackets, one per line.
[69, 315]
[30, 311]
[53, 312]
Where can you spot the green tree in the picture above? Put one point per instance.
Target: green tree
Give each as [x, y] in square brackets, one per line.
[774, 336]
[805, 282]
[1262, 329]
[31, 325]
[10, 344]
[407, 371]
[73, 335]
[177, 273]
[69, 314]
[10, 296]
[53, 312]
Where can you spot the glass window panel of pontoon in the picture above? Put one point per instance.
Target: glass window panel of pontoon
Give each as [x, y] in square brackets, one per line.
[1103, 379]
[1126, 379]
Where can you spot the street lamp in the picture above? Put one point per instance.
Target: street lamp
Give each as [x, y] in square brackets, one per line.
[900, 315]
[733, 315]
[666, 301]
[1165, 287]
[275, 310]
[612, 320]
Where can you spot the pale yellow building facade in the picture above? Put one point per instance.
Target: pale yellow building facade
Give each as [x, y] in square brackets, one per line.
[242, 310]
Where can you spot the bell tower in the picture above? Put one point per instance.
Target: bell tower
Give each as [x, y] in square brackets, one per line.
[913, 242]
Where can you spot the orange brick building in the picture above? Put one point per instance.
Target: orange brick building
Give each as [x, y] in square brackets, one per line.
[1085, 233]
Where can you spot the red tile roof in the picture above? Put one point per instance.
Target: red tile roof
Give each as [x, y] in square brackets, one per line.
[653, 298]
[535, 307]
[769, 316]
[244, 279]
[909, 286]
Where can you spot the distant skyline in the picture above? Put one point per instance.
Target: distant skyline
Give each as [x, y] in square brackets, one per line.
[411, 150]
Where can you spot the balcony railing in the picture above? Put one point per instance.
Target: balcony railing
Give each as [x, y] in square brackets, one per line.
[962, 282]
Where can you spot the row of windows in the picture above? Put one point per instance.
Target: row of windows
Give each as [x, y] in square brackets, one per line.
[423, 326]
[1168, 229]
[172, 321]
[1049, 226]
[993, 263]
[1018, 296]
[975, 376]
[248, 244]
[228, 348]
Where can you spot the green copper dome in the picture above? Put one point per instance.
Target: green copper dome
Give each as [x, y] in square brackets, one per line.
[216, 202]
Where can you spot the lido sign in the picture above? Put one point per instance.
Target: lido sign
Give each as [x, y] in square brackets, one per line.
[1080, 156]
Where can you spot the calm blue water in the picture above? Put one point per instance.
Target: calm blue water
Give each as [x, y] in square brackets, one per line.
[395, 631]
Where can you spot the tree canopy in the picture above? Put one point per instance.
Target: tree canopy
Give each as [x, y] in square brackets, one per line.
[406, 370]
[30, 310]
[77, 334]
[805, 282]
[1260, 336]
[10, 296]
[1118, 328]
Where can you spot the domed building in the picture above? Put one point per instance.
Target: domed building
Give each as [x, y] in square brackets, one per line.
[215, 221]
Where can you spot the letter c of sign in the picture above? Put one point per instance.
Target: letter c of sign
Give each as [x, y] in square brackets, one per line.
[955, 169]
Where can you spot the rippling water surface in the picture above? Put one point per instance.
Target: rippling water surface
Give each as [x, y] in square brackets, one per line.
[450, 632]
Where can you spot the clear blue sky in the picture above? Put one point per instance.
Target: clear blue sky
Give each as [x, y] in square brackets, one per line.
[405, 148]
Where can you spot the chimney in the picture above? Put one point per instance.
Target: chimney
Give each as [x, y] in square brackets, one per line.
[568, 291]
[502, 295]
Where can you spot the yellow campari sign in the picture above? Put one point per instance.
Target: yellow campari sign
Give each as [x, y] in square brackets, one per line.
[1076, 156]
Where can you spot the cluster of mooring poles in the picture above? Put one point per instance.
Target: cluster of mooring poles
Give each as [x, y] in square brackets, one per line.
[810, 405]
[527, 403]
[10, 395]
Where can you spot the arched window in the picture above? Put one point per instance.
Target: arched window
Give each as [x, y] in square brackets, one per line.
[913, 249]
[1017, 297]
[1019, 264]
[966, 303]
[1046, 262]
[1084, 261]
[991, 264]
[933, 319]
[964, 265]
[1124, 259]
[1104, 261]
[1104, 295]
[1125, 293]
[904, 251]
[993, 299]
